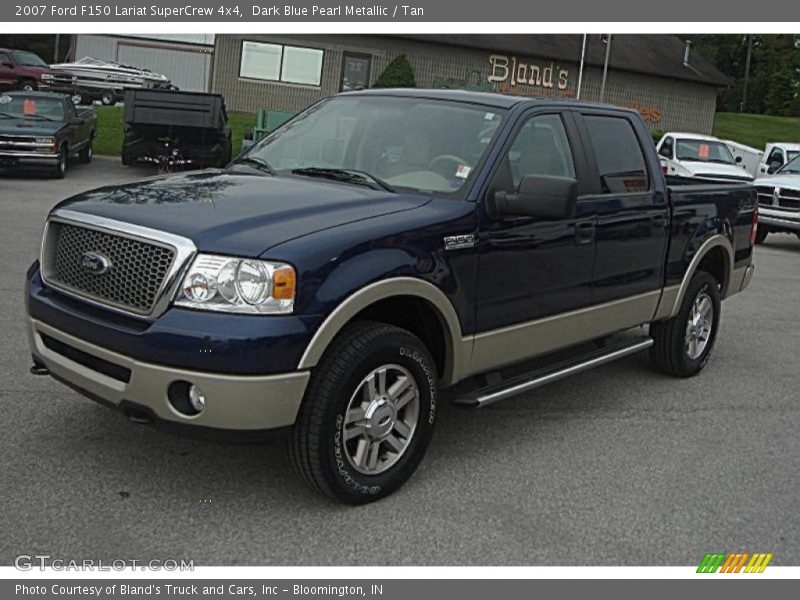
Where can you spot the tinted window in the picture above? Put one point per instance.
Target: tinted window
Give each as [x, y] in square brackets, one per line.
[540, 148]
[619, 156]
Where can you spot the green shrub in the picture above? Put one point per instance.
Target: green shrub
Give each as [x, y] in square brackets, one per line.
[398, 73]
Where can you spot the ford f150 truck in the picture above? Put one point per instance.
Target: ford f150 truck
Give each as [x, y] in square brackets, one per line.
[377, 248]
[44, 130]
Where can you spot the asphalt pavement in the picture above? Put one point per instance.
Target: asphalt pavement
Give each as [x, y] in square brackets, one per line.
[617, 466]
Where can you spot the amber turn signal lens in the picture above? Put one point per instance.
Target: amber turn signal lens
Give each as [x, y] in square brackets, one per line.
[284, 282]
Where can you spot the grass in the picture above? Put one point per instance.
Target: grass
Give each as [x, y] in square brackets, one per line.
[756, 130]
[110, 129]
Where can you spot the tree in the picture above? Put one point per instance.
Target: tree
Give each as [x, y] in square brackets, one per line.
[398, 73]
[774, 84]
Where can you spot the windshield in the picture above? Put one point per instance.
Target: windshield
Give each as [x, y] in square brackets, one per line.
[704, 151]
[792, 167]
[413, 143]
[792, 154]
[29, 59]
[31, 107]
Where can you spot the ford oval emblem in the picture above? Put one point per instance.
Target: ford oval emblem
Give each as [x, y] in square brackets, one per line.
[95, 263]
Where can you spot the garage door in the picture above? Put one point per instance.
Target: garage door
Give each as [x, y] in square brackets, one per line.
[190, 70]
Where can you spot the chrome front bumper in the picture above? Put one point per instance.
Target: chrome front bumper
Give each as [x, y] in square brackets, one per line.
[233, 402]
[780, 219]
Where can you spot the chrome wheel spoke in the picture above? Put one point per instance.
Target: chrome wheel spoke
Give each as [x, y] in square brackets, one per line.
[403, 429]
[406, 398]
[395, 443]
[372, 455]
[354, 415]
[398, 387]
[353, 432]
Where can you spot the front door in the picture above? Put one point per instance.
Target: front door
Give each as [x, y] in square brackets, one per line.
[529, 268]
[7, 74]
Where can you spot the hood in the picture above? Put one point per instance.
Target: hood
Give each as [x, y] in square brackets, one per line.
[239, 214]
[782, 181]
[31, 127]
[698, 167]
[38, 71]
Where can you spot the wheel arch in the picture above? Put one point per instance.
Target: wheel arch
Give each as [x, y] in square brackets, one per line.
[715, 255]
[388, 293]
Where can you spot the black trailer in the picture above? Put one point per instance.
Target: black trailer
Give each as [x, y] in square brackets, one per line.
[173, 129]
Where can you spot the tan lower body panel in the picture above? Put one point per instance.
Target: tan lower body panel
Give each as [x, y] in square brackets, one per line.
[494, 349]
[240, 402]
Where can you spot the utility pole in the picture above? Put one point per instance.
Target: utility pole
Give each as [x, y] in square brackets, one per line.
[55, 49]
[580, 70]
[743, 105]
[605, 69]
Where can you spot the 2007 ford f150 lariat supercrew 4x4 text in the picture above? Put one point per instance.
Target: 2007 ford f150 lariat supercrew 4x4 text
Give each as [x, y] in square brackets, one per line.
[375, 249]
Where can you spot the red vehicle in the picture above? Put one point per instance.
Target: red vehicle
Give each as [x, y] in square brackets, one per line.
[23, 70]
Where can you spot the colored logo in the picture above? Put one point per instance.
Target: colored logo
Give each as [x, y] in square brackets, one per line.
[95, 263]
[739, 562]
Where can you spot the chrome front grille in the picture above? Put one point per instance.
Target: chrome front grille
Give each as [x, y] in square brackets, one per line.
[787, 199]
[135, 273]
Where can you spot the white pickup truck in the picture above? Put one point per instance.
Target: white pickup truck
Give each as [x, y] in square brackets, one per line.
[779, 201]
[776, 155]
[696, 156]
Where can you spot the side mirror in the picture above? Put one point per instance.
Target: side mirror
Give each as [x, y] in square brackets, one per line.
[7, 64]
[738, 159]
[543, 197]
[773, 166]
[76, 121]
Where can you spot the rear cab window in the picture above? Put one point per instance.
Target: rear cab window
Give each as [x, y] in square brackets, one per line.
[621, 164]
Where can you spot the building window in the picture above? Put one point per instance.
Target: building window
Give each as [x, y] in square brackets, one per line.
[274, 62]
[355, 72]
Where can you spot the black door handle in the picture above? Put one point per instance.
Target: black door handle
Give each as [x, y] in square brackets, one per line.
[584, 233]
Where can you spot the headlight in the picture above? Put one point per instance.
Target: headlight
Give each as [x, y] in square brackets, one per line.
[241, 285]
[47, 76]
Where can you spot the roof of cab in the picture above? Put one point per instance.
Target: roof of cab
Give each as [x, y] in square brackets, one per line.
[691, 136]
[493, 99]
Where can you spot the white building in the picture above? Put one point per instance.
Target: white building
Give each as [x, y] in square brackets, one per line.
[186, 59]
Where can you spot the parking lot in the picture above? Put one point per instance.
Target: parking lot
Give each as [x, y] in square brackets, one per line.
[618, 466]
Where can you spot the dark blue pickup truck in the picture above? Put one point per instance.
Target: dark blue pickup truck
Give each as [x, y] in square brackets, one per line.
[379, 247]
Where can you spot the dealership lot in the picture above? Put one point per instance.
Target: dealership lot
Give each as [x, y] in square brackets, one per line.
[616, 466]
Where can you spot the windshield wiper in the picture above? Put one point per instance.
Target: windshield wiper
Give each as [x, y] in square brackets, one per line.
[258, 163]
[38, 117]
[345, 176]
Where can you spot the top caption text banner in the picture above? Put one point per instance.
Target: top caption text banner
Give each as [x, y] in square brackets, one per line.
[416, 11]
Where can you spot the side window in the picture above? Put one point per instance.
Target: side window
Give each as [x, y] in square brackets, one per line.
[668, 148]
[3, 60]
[540, 148]
[776, 156]
[619, 156]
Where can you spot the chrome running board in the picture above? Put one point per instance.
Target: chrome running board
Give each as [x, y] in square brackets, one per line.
[517, 385]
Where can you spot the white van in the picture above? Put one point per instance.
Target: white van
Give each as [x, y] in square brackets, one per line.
[699, 157]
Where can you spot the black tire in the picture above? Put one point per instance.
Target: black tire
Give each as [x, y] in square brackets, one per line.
[320, 453]
[670, 354]
[28, 85]
[108, 98]
[61, 167]
[761, 234]
[87, 152]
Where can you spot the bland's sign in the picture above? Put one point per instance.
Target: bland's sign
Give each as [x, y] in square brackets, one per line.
[512, 71]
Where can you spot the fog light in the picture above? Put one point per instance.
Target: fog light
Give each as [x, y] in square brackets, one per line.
[186, 398]
[196, 398]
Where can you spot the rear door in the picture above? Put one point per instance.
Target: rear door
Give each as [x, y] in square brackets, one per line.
[630, 205]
